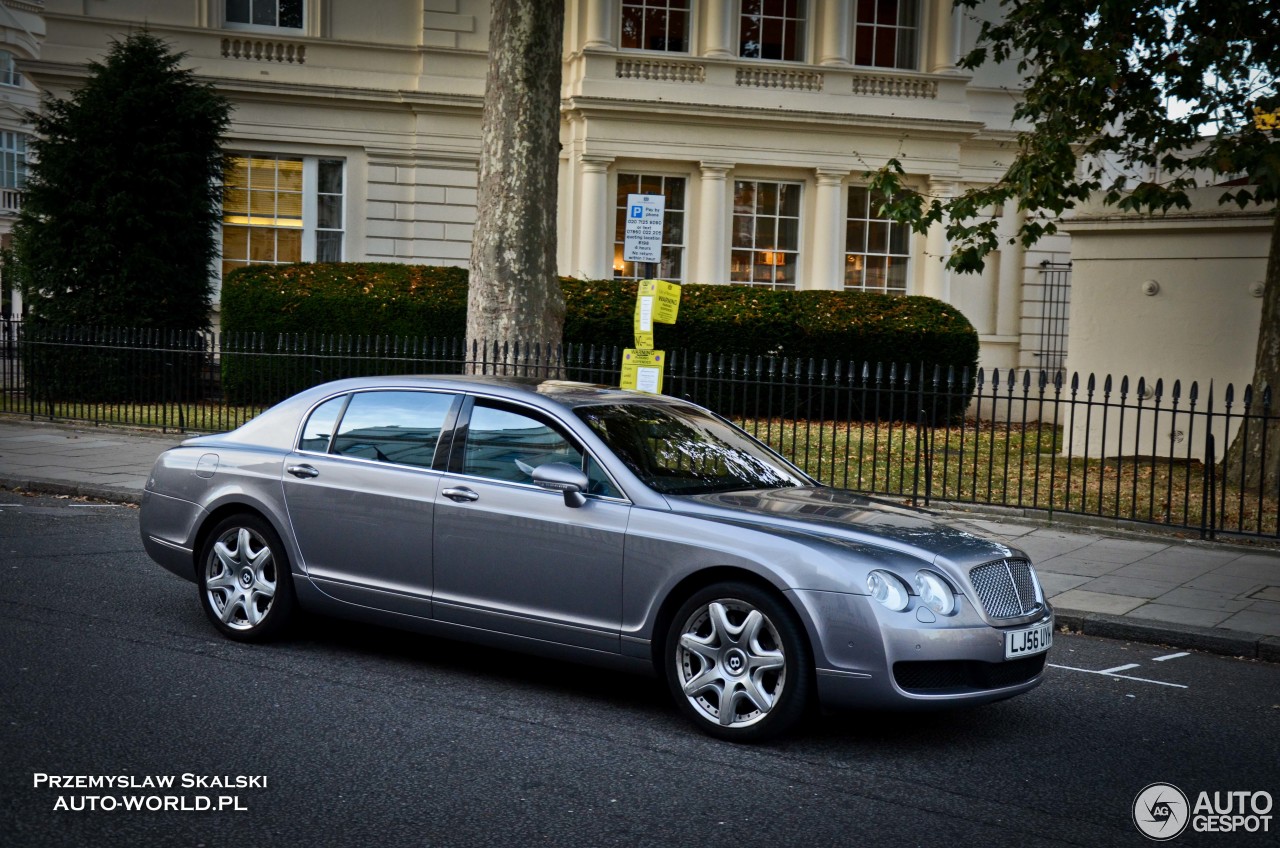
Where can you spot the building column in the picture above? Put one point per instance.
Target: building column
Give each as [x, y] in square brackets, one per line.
[936, 278]
[942, 47]
[827, 260]
[1009, 292]
[835, 24]
[717, 28]
[713, 225]
[599, 28]
[596, 220]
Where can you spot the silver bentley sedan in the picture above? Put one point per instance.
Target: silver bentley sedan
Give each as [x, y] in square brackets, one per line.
[598, 525]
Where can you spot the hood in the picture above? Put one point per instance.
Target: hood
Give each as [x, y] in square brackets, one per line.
[842, 515]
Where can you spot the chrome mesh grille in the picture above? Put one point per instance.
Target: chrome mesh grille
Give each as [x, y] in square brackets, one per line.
[1006, 587]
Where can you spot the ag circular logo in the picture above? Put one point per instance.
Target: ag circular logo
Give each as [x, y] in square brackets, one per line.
[1161, 811]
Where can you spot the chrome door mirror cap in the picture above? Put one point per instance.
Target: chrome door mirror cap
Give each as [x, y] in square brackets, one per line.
[565, 478]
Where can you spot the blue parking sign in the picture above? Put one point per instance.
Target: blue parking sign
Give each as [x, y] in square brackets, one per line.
[643, 235]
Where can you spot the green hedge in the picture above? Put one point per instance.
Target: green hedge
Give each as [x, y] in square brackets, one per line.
[395, 300]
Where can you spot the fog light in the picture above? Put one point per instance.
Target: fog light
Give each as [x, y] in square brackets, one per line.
[888, 590]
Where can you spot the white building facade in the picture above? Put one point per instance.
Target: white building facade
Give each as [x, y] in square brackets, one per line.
[356, 130]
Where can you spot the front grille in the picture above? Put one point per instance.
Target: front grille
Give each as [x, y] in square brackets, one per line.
[1006, 587]
[941, 675]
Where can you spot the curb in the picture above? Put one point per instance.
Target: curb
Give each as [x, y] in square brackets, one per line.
[1232, 643]
[79, 490]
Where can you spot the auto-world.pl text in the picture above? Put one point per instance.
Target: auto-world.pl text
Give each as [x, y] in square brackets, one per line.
[123, 794]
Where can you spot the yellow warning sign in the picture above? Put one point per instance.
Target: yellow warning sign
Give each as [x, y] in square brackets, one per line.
[657, 301]
[642, 370]
[666, 299]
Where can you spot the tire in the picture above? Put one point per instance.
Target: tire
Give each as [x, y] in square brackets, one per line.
[245, 585]
[734, 646]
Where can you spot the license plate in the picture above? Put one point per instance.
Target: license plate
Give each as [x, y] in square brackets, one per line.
[1025, 643]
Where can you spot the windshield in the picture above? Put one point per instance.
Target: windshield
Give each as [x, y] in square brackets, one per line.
[680, 450]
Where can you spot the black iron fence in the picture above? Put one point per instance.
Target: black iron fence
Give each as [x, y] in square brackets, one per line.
[1186, 455]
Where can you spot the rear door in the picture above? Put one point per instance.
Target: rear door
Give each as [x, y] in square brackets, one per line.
[512, 557]
[361, 494]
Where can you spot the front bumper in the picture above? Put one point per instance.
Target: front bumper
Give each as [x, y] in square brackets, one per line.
[870, 657]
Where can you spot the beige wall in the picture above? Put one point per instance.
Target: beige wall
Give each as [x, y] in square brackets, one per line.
[1167, 297]
[395, 89]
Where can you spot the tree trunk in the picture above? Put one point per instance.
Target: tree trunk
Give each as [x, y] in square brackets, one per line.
[1262, 473]
[514, 293]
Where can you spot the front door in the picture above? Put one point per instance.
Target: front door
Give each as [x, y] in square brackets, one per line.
[512, 557]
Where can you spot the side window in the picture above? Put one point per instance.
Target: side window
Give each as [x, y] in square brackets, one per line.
[506, 445]
[600, 482]
[394, 426]
[319, 429]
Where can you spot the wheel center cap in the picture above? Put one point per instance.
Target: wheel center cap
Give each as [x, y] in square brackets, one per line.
[735, 662]
[246, 578]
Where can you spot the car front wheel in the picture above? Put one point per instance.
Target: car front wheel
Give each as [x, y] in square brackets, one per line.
[738, 663]
[245, 587]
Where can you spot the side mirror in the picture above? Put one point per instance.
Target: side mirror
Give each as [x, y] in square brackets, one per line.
[563, 477]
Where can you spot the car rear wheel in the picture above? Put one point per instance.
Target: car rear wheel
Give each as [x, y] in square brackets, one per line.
[245, 587]
[738, 663]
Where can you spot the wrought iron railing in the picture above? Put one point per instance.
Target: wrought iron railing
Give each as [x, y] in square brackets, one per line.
[1184, 455]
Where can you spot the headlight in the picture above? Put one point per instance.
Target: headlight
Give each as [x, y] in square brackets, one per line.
[935, 593]
[888, 590]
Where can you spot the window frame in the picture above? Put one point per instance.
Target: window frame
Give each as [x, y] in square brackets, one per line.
[876, 28]
[310, 227]
[618, 266]
[15, 153]
[440, 452]
[888, 254]
[10, 76]
[797, 251]
[241, 26]
[456, 455]
[644, 7]
[801, 21]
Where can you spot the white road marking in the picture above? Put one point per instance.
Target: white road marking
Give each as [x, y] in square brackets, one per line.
[1118, 676]
[1172, 656]
[1119, 668]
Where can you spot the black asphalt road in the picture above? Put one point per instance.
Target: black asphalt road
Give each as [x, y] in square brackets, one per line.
[373, 737]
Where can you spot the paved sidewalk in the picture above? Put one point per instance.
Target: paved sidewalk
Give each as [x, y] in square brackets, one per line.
[1146, 587]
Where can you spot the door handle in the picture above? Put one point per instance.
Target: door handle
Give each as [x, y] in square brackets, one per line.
[302, 471]
[460, 494]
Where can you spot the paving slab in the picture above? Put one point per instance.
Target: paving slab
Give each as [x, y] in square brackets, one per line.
[1264, 571]
[1204, 600]
[1179, 615]
[1225, 583]
[1074, 564]
[1124, 550]
[1194, 553]
[1254, 622]
[1081, 599]
[1270, 593]
[1056, 584]
[1179, 572]
[1042, 549]
[1132, 587]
